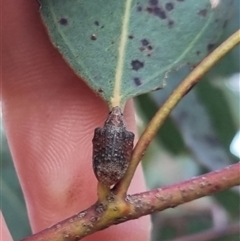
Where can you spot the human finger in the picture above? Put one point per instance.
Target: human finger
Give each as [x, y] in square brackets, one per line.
[49, 116]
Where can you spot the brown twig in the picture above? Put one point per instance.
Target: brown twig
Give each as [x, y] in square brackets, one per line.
[115, 210]
[162, 114]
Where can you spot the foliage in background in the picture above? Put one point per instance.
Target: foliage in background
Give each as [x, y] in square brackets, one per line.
[174, 151]
[195, 139]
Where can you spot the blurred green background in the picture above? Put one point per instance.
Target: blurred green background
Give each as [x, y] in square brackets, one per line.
[201, 135]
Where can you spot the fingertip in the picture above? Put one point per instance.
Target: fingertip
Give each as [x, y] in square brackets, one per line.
[49, 117]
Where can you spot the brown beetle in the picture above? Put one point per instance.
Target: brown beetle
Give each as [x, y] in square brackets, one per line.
[112, 148]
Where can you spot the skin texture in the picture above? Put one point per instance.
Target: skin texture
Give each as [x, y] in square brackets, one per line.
[49, 117]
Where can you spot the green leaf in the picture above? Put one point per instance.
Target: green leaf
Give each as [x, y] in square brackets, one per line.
[204, 121]
[125, 48]
[218, 111]
[230, 63]
[168, 135]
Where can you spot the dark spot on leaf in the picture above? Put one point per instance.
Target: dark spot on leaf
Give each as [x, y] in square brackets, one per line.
[169, 6]
[153, 2]
[139, 8]
[96, 23]
[137, 81]
[100, 90]
[63, 21]
[130, 36]
[144, 42]
[146, 47]
[203, 12]
[93, 37]
[198, 52]
[136, 65]
[210, 47]
[170, 23]
[149, 10]
[159, 12]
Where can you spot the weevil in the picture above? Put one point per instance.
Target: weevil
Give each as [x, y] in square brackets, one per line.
[112, 149]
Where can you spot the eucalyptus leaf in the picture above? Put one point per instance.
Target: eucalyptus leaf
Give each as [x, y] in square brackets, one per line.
[168, 135]
[126, 48]
[230, 63]
[207, 138]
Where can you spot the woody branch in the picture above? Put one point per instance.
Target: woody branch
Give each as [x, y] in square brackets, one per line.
[115, 210]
